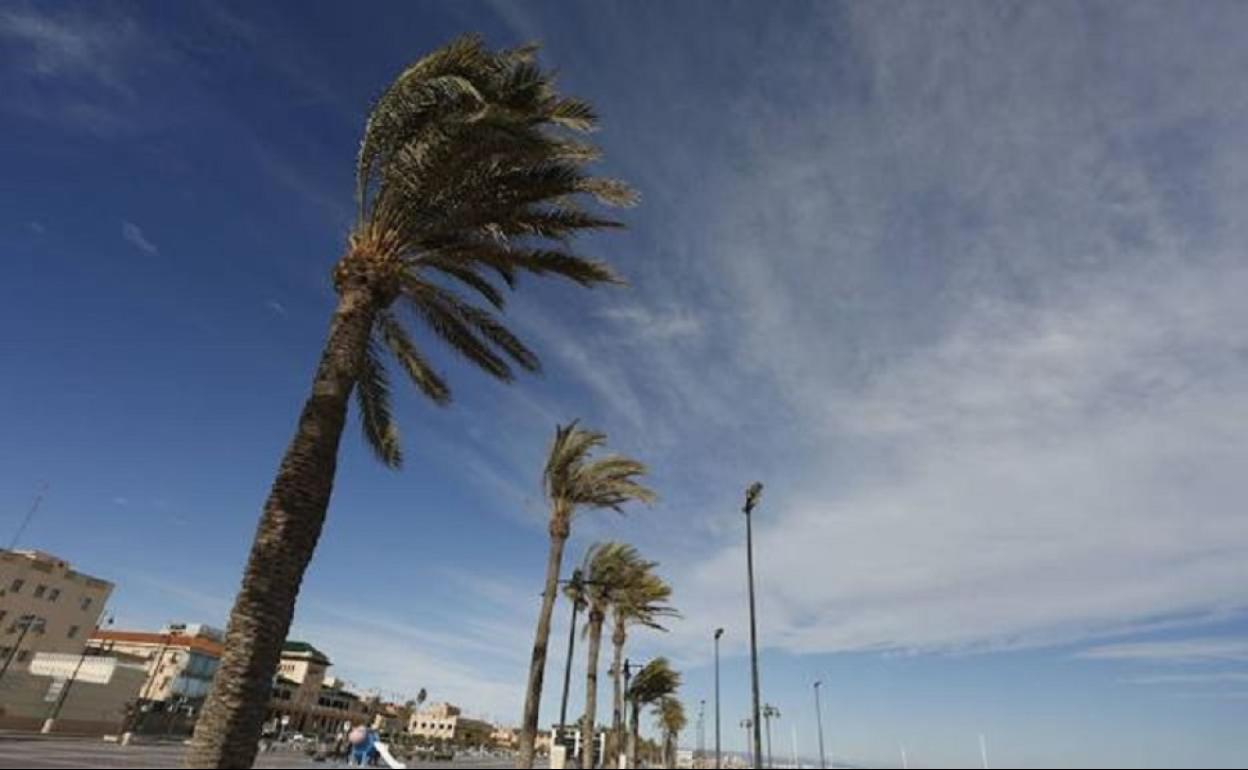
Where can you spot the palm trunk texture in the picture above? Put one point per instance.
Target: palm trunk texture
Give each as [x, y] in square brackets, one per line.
[537, 667]
[617, 673]
[596, 618]
[228, 731]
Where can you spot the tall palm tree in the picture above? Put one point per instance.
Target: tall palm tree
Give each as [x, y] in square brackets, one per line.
[642, 601]
[655, 680]
[572, 480]
[670, 713]
[468, 174]
[608, 567]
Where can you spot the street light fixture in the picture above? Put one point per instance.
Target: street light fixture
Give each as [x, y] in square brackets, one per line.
[752, 495]
[718, 633]
[819, 719]
[578, 583]
[746, 724]
[770, 712]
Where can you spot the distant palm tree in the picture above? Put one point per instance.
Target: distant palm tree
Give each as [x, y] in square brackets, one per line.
[670, 713]
[467, 173]
[655, 681]
[608, 567]
[572, 480]
[642, 601]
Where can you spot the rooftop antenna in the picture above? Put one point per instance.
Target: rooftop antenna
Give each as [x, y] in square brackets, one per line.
[43, 489]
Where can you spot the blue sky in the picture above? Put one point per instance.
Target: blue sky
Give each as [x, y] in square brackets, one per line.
[962, 283]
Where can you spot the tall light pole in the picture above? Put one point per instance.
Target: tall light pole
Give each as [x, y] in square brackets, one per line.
[701, 730]
[746, 724]
[577, 583]
[718, 633]
[770, 712]
[751, 500]
[28, 622]
[55, 711]
[819, 720]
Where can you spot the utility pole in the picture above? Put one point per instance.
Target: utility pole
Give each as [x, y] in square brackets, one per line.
[27, 622]
[819, 719]
[701, 729]
[43, 490]
[770, 712]
[718, 633]
[60, 702]
[577, 584]
[751, 500]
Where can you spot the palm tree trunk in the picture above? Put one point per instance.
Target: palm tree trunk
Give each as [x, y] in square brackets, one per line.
[596, 618]
[617, 674]
[537, 666]
[228, 730]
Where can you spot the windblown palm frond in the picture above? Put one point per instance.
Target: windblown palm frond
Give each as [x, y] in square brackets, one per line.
[669, 715]
[655, 680]
[609, 568]
[643, 601]
[572, 479]
[468, 169]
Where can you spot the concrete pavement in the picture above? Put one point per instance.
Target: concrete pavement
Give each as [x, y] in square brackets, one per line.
[34, 752]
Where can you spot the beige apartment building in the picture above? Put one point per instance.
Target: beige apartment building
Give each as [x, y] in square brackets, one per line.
[48, 612]
[45, 606]
[306, 700]
[444, 722]
[180, 659]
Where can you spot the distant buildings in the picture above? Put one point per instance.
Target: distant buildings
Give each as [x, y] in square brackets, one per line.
[62, 670]
[47, 681]
[444, 722]
[45, 606]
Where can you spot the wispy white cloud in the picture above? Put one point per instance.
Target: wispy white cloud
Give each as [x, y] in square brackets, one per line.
[277, 308]
[1198, 650]
[1215, 678]
[992, 368]
[133, 234]
[72, 46]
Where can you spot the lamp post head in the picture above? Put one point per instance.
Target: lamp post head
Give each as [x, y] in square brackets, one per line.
[752, 494]
[817, 683]
[718, 633]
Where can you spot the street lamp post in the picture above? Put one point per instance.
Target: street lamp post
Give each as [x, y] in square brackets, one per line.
[576, 582]
[60, 702]
[27, 622]
[701, 751]
[751, 500]
[770, 712]
[819, 720]
[718, 633]
[746, 724]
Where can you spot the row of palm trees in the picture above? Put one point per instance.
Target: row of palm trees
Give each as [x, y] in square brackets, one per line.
[613, 583]
[472, 172]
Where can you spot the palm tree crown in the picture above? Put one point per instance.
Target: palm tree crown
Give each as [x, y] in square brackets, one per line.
[573, 479]
[468, 174]
[655, 680]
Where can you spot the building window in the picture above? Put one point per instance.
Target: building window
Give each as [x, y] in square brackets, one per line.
[40, 590]
[73, 631]
[16, 586]
[54, 594]
[86, 603]
[23, 656]
[3, 615]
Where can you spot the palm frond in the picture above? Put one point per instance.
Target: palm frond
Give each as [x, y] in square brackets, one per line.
[373, 397]
[409, 357]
